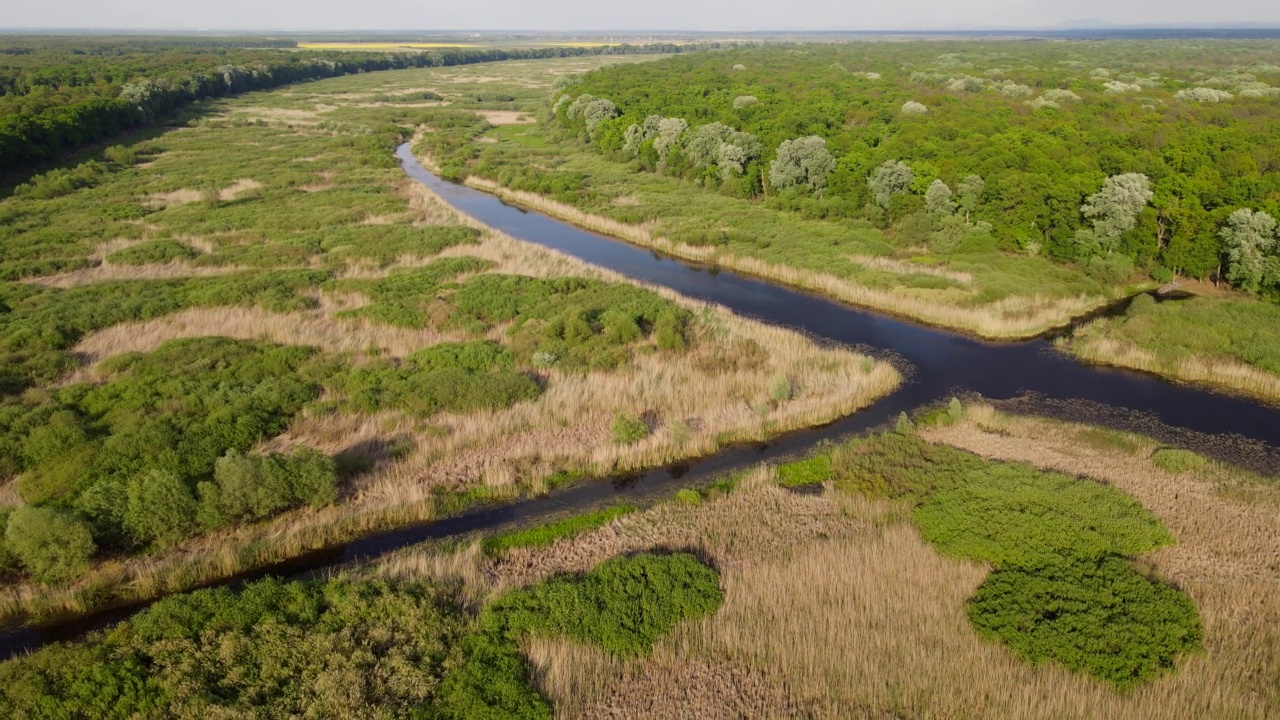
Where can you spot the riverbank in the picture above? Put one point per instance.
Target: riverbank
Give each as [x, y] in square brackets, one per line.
[1012, 318]
[1227, 342]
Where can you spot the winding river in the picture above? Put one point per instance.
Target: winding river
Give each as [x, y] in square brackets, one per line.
[1024, 375]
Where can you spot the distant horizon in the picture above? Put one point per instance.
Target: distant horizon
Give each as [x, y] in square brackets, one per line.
[1061, 27]
[651, 17]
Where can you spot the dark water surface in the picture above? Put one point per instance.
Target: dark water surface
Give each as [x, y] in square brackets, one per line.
[1028, 376]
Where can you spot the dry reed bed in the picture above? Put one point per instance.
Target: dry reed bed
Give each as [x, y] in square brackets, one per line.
[567, 427]
[1010, 318]
[313, 327]
[835, 607]
[1219, 372]
[108, 271]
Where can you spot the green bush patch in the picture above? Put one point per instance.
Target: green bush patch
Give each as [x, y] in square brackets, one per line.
[809, 471]
[1063, 588]
[1098, 616]
[544, 535]
[153, 252]
[624, 606]
[1179, 461]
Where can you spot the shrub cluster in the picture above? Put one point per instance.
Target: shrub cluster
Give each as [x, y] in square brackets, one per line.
[624, 606]
[351, 648]
[584, 323]
[1064, 588]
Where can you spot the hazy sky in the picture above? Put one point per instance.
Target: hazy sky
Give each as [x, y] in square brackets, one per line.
[620, 14]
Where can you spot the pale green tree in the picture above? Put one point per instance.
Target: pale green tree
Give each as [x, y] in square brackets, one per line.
[1114, 209]
[1248, 239]
[891, 178]
[969, 194]
[937, 199]
[803, 161]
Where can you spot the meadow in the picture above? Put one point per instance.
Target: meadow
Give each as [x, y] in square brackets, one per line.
[252, 336]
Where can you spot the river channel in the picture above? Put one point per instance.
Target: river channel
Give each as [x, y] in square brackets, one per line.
[938, 364]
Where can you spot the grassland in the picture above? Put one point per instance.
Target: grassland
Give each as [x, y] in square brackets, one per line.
[279, 222]
[845, 604]
[1224, 342]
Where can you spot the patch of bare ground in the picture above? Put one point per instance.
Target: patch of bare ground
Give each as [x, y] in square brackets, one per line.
[103, 249]
[160, 201]
[316, 328]
[232, 191]
[325, 182]
[9, 495]
[506, 117]
[108, 271]
[1011, 317]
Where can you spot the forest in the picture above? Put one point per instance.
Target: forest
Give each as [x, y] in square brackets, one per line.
[1163, 155]
[58, 94]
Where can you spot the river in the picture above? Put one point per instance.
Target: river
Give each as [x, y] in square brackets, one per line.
[1028, 375]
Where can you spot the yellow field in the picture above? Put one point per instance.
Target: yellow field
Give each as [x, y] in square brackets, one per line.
[383, 46]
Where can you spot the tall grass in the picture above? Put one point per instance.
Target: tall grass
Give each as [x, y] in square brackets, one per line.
[835, 607]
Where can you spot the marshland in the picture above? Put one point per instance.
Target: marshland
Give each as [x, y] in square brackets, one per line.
[248, 334]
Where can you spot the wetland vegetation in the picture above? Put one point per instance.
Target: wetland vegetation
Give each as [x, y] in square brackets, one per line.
[250, 336]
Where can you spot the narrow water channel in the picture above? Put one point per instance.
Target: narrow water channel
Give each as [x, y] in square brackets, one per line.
[939, 364]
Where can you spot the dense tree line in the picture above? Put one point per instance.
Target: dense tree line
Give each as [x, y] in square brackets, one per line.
[1107, 154]
[58, 97]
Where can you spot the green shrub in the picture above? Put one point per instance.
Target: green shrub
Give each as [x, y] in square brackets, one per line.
[1109, 269]
[252, 487]
[584, 323]
[120, 155]
[904, 426]
[9, 562]
[1062, 589]
[780, 388]
[160, 509]
[51, 544]
[809, 471]
[154, 251]
[272, 649]
[688, 496]
[623, 606]
[544, 535]
[1005, 513]
[1179, 461]
[628, 429]
[1098, 616]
